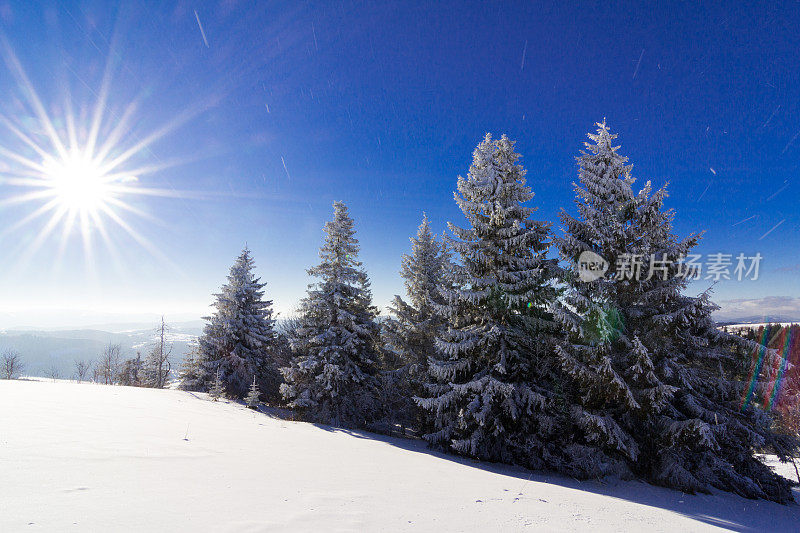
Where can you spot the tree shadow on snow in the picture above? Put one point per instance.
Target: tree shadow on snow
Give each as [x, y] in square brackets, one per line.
[719, 509]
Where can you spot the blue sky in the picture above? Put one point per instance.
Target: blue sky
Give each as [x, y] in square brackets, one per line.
[292, 105]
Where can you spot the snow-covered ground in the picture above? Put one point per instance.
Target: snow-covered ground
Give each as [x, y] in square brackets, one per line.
[106, 458]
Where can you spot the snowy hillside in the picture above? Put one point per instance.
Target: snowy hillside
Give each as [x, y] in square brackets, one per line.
[108, 458]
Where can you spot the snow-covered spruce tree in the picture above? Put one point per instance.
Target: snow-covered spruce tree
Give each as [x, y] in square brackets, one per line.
[217, 389]
[652, 383]
[411, 332]
[132, 371]
[252, 396]
[189, 376]
[492, 395]
[409, 335]
[331, 378]
[239, 337]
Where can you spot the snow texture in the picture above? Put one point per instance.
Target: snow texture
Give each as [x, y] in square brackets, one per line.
[85, 457]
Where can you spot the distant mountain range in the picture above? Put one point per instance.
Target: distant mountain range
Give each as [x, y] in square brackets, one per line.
[45, 350]
[758, 319]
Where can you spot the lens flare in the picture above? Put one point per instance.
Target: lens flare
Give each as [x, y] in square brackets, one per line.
[777, 374]
[755, 371]
[77, 168]
[777, 378]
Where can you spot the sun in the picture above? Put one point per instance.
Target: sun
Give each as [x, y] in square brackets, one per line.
[77, 184]
[79, 168]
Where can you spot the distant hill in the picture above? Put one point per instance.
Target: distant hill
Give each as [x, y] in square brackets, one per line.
[43, 350]
[757, 319]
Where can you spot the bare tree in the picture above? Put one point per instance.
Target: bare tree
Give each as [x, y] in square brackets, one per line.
[108, 365]
[53, 372]
[12, 365]
[82, 369]
[158, 365]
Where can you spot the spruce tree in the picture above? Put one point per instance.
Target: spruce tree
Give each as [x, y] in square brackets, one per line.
[239, 337]
[132, 372]
[331, 378]
[493, 376]
[252, 397]
[409, 335]
[652, 382]
[189, 376]
[217, 389]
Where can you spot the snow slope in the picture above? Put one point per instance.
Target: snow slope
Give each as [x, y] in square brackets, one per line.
[85, 457]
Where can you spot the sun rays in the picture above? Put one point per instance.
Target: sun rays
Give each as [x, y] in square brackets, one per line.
[74, 177]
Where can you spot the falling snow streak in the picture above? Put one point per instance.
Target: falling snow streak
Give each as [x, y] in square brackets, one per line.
[704, 191]
[524, 51]
[776, 193]
[637, 64]
[744, 220]
[764, 125]
[200, 25]
[285, 169]
[772, 229]
[791, 141]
